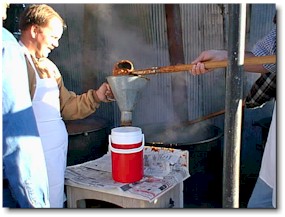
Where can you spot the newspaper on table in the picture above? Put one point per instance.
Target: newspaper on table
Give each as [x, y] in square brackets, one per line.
[163, 169]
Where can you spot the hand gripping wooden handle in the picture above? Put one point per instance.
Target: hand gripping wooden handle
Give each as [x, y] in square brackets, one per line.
[209, 65]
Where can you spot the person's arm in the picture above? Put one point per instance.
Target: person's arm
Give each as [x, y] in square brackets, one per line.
[265, 46]
[254, 68]
[220, 55]
[75, 106]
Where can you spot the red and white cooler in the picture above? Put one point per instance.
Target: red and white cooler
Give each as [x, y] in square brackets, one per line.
[126, 145]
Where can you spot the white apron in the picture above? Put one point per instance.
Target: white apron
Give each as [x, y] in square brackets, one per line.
[54, 136]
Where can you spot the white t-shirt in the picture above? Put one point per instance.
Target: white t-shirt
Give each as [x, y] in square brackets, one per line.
[268, 165]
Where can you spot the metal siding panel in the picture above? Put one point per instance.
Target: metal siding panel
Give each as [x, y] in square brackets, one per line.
[155, 104]
[203, 29]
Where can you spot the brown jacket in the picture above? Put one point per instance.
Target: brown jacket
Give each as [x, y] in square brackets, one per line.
[72, 106]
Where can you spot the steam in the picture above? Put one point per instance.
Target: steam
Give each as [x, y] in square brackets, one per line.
[122, 38]
[118, 32]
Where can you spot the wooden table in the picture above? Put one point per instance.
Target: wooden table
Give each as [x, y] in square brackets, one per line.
[78, 193]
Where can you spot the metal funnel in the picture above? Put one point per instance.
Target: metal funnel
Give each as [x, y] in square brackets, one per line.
[126, 90]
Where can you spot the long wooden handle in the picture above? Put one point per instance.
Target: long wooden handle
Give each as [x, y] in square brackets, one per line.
[209, 65]
[211, 115]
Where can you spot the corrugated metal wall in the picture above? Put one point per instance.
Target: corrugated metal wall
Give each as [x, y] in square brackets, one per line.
[204, 29]
[99, 35]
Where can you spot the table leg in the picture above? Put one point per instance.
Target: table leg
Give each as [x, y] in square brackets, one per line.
[72, 200]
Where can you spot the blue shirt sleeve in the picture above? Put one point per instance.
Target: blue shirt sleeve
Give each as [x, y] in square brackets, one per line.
[267, 46]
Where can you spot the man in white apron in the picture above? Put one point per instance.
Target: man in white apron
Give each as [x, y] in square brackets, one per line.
[41, 28]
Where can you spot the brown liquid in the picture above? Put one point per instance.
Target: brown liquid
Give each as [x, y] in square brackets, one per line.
[123, 67]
